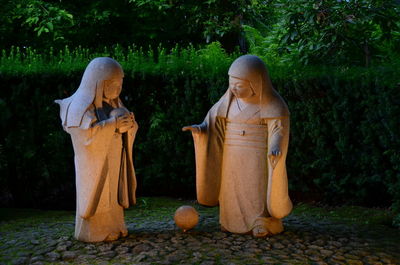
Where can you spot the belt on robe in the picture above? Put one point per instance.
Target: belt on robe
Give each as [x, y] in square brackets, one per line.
[246, 135]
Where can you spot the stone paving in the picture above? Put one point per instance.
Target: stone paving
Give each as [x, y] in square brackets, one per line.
[158, 241]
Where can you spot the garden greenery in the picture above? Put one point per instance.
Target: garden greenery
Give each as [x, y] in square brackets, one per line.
[356, 32]
[344, 131]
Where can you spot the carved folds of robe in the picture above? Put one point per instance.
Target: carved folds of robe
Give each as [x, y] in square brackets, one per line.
[232, 164]
[104, 171]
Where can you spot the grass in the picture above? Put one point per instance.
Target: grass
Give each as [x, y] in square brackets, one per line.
[162, 207]
[346, 214]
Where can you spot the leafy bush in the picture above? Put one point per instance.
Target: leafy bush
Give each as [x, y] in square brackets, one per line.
[344, 136]
[92, 23]
[331, 32]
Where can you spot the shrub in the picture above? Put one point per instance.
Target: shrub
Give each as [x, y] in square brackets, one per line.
[344, 130]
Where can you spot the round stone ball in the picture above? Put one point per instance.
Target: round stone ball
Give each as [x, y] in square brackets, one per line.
[186, 217]
[118, 112]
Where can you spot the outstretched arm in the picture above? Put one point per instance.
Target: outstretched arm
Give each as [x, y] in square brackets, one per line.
[196, 128]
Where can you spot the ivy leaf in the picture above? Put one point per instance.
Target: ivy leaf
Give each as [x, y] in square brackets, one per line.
[50, 26]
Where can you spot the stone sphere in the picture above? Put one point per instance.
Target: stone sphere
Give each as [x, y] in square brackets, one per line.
[118, 112]
[186, 217]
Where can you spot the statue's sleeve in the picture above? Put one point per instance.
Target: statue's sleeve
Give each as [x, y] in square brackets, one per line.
[209, 149]
[278, 201]
[127, 179]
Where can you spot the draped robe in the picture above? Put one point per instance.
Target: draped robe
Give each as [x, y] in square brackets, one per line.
[105, 176]
[242, 179]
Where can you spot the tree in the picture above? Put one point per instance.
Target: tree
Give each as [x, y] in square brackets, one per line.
[351, 31]
[97, 24]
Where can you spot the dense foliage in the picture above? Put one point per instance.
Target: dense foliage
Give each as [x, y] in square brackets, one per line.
[335, 62]
[333, 32]
[43, 24]
[344, 136]
[352, 32]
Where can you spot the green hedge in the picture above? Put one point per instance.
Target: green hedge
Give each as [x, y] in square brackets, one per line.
[344, 136]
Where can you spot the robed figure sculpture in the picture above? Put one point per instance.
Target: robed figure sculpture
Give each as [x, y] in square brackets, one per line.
[102, 132]
[241, 149]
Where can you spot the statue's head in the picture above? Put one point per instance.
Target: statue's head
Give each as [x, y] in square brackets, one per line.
[112, 87]
[248, 77]
[102, 79]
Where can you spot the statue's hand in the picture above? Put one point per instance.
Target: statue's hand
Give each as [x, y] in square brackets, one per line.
[274, 157]
[192, 128]
[125, 122]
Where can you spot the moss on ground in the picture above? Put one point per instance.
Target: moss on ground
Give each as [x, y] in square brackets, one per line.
[346, 214]
[159, 208]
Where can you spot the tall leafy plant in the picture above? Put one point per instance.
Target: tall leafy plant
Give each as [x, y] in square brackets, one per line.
[331, 32]
[43, 17]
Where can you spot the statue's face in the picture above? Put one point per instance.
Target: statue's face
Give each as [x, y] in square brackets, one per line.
[240, 88]
[112, 88]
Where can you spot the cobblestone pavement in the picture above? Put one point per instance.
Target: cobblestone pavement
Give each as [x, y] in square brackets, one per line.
[158, 241]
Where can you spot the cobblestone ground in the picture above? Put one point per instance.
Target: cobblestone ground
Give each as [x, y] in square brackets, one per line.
[154, 239]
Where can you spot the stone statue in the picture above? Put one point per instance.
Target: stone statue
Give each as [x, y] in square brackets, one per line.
[241, 149]
[102, 132]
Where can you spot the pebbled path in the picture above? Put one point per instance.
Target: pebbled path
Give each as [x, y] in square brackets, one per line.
[156, 240]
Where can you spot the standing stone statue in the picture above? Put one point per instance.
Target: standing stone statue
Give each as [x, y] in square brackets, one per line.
[102, 132]
[241, 149]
